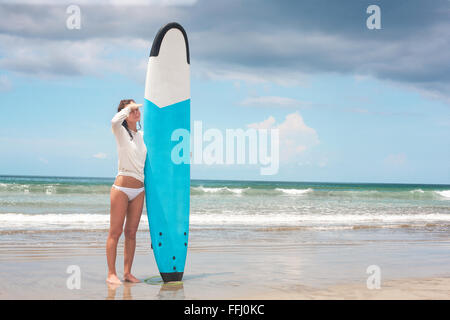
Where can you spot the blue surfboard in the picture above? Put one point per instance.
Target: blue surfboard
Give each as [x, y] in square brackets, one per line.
[167, 176]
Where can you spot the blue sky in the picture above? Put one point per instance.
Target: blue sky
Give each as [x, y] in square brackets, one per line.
[362, 106]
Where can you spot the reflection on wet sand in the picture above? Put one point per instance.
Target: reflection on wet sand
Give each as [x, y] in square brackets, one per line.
[112, 289]
[168, 291]
[171, 291]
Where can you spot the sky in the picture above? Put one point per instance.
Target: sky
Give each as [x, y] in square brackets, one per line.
[351, 104]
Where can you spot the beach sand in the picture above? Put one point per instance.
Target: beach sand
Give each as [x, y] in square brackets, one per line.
[400, 289]
[235, 269]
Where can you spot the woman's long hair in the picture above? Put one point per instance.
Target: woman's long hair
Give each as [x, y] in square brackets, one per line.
[123, 104]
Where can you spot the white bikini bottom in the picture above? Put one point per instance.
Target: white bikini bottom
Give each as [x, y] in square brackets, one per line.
[130, 192]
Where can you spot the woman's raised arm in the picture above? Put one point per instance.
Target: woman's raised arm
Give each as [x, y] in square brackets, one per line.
[118, 118]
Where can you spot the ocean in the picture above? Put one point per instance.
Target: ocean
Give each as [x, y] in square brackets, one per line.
[32, 203]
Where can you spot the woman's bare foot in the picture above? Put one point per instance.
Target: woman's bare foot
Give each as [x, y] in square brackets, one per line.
[130, 278]
[113, 279]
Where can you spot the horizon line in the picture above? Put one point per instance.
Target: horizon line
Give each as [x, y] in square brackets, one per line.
[336, 182]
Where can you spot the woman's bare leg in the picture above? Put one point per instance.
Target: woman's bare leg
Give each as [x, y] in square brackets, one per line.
[119, 204]
[131, 225]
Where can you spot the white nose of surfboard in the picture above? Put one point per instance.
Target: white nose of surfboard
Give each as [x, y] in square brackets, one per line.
[167, 79]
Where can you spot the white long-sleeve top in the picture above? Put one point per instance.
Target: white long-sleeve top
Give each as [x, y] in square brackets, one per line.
[132, 153]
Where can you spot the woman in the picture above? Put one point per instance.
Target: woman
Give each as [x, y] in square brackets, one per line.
[127, 192]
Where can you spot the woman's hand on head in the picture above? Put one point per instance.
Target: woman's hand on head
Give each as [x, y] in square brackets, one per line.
[134, 106]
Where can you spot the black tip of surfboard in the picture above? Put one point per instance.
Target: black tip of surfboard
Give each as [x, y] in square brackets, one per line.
[171, 276]
[160, 36]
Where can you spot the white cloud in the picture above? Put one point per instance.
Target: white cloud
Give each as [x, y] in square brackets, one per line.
[266, 124]
[100, 155]
[272, 101]
[104, 2]
[395, 159]
[323, 162]
[445, 122]
[5, 83]
[261, 75]
[49, 59]
[248, 49]
[295, 136]
[43, 160]
[382, 113]
[38, 144]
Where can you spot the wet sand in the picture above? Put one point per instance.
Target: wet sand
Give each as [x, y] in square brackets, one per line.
[237, 269]
[400, 289]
